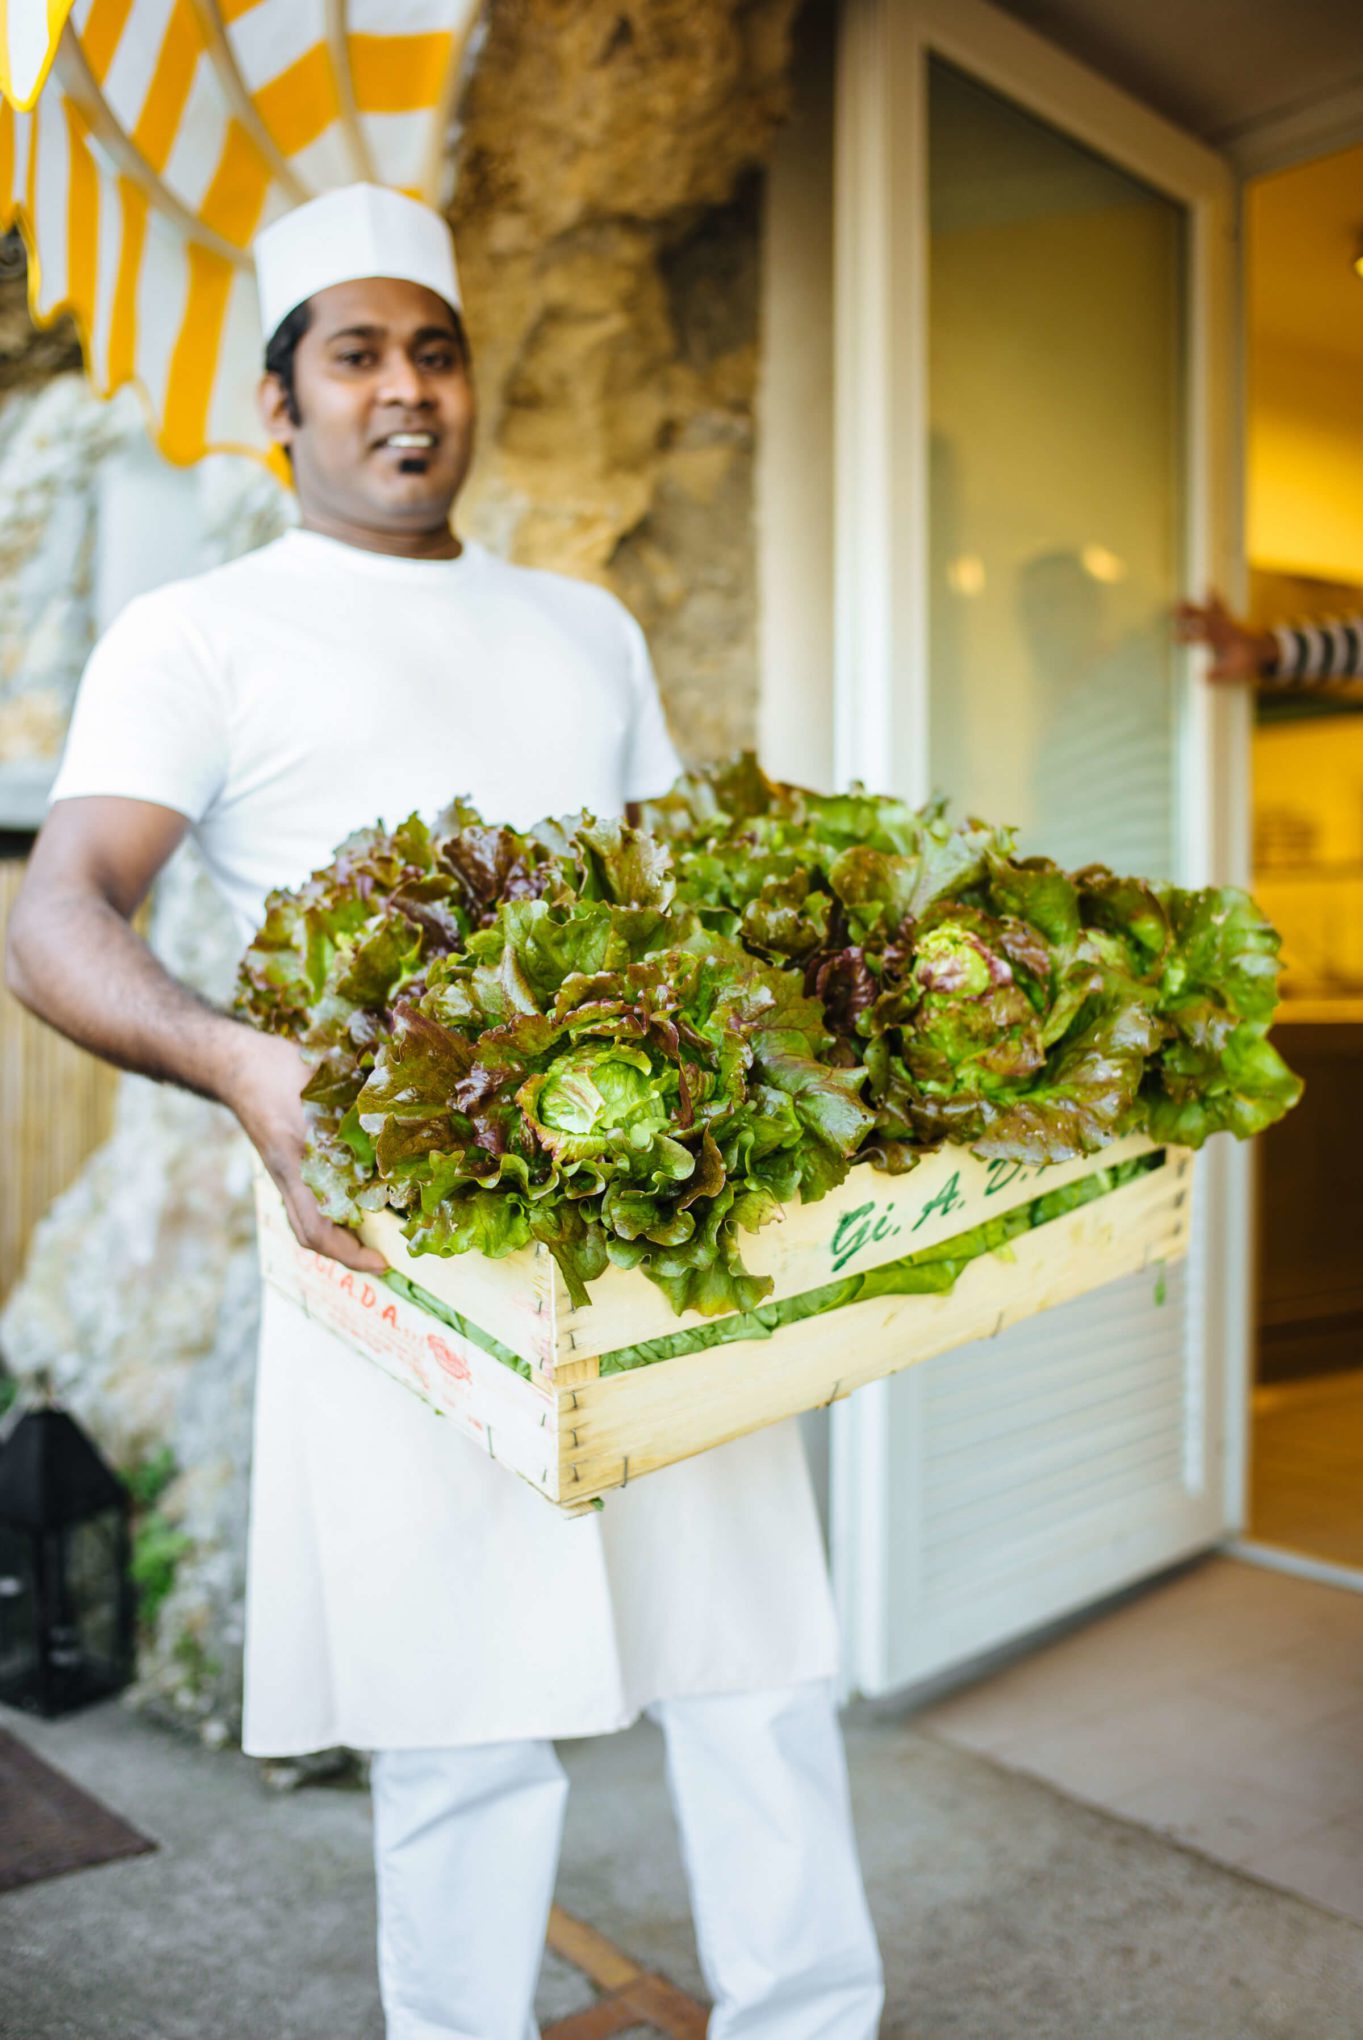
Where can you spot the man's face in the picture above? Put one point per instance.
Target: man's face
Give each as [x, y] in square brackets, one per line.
[385, 404]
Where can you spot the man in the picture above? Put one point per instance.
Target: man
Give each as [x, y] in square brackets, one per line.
[1305, 655]
[406, 1595]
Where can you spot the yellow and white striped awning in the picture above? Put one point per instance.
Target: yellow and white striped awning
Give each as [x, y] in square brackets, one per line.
[144, 142]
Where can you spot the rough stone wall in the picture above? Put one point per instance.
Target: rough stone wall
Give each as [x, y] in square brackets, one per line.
[54, 436]
[28, 357]
[606, 217]
[606, 214]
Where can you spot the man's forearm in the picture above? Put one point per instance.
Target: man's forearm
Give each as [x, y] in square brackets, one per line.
[74, 960]
[86, 972]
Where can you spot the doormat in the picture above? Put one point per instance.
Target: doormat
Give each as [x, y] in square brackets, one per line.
[48, 1826]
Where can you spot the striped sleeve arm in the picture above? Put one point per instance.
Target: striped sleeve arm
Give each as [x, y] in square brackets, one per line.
[1309, 654]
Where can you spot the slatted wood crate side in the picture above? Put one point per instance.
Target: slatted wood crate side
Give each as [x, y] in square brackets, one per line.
[870, 1218]
[576, 1437]
[514, 1299]
[513, 1420]
[56, 1107]
[630, 1424]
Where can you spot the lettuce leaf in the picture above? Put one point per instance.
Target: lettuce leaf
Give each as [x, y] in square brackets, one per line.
[632, 1042]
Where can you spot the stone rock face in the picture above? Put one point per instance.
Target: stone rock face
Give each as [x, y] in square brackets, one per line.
[28, 357]
[607, 218]
[54, 435]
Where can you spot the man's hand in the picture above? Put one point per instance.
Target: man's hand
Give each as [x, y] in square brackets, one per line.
[1238, 653]
[264, 1091]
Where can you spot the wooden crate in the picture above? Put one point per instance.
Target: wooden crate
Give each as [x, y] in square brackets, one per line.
[557, 1410]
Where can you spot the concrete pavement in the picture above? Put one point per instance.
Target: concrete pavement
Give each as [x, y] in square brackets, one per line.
[1005, 1909]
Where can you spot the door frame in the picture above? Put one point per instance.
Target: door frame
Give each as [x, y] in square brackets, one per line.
[879, 709]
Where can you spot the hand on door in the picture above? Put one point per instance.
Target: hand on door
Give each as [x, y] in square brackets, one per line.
[1238, 653]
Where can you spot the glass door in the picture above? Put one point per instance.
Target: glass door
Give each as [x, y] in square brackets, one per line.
[1041, 313]
[1056, 342]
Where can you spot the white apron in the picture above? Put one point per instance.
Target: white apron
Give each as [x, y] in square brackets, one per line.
[406, 1591]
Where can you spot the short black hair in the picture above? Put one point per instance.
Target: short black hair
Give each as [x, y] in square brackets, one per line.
[282, 347]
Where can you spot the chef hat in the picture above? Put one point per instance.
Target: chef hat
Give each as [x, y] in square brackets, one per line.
[359, 230]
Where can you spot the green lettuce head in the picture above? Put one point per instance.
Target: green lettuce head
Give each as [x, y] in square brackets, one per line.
[951, 961]
[634, 1044]
[611, 1104]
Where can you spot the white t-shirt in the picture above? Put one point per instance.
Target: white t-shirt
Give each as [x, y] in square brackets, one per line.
[403, 1590]
[309, 688]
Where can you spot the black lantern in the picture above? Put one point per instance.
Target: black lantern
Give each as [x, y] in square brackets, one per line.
[67, 1607]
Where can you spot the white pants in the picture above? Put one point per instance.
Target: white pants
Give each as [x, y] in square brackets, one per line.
[466, 1847]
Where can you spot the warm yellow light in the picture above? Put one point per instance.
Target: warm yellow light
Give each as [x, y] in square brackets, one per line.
[1358, 263]
[965, 575]
[1102, 564]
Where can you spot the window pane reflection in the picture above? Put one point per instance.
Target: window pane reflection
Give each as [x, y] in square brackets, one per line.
[1056, 324]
